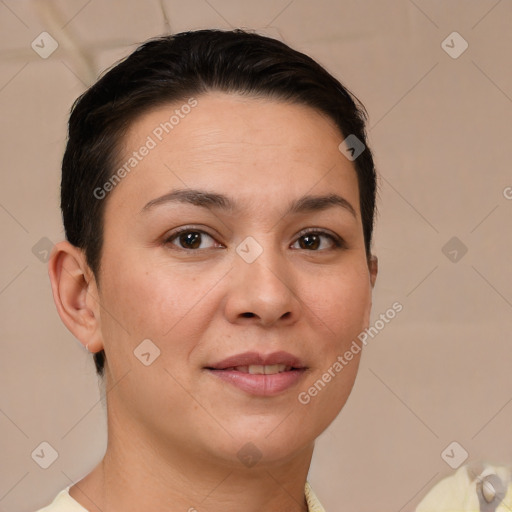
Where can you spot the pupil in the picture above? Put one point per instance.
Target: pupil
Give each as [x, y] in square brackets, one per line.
[311, 241]
[191, 240]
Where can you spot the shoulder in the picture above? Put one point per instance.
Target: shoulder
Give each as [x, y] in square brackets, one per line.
[63, 502]
[477, 487]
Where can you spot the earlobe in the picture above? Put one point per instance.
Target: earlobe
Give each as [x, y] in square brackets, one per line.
[73, 287]
[374, 269]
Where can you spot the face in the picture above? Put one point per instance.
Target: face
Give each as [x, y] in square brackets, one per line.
[248, 292]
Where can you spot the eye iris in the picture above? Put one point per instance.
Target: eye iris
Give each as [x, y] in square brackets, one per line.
[311, 241]
[190, 239]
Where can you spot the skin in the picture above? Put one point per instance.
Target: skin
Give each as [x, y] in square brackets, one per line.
[174, 430]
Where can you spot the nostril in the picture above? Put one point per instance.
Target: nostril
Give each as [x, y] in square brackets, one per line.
[248, 315]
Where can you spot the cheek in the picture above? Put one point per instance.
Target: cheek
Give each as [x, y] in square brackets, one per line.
[344, 310]
[149, 300]
[162, 304]
[341, 305]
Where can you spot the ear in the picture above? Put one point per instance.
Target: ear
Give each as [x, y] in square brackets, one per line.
[76, 295]
[373, 265]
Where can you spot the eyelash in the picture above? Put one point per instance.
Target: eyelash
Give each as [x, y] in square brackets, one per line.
[337, 242]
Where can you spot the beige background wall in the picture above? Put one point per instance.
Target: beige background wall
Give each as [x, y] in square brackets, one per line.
[440, 128]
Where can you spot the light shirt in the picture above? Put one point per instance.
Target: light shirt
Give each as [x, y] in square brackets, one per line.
[472, 488]
[63, 502]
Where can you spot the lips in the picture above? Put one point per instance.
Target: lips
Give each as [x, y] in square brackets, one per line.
[257, 359]
[260, 374]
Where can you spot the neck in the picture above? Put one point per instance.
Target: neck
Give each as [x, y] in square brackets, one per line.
[136, 474]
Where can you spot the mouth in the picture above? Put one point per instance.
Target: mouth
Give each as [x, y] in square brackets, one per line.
[275, 362]
[258, 374]
[260, 369]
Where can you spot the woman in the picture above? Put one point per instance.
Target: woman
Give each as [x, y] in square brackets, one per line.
[218, 198]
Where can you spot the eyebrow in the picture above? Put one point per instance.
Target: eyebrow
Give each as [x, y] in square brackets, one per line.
[204, 199]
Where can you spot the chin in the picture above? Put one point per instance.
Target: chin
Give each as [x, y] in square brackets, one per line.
[272, 444]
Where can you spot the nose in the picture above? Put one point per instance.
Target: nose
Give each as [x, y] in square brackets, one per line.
[263, 291]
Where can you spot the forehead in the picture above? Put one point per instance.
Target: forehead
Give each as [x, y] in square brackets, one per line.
[254, 148]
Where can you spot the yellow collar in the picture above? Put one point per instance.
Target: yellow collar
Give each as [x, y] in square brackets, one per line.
[313, 504]
[64, 500]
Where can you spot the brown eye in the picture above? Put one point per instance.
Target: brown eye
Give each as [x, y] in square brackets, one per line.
[312, 241]
[188, 239]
